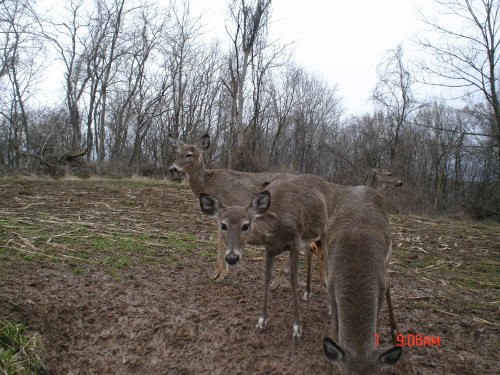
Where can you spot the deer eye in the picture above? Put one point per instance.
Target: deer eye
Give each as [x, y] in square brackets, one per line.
[223, 226]
[245, 227]
[188, 156]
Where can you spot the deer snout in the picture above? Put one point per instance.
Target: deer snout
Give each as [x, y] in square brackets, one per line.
[173, 169]
[399, 183]
[232, 258]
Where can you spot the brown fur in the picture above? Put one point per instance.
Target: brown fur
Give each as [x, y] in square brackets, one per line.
[295, 215]
[358, 252]
[231, 187]
[382, 178]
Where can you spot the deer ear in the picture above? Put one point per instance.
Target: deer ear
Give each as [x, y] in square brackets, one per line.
[204, 142]
[260, 203]
[209, 205]
[332, 350]
[176, 143]
[265, 184]
[390, 357]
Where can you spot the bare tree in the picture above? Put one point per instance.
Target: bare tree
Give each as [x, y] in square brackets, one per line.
[135, 97]
[249, 22]
[441, 138]
[393, 93]
[20, 64]
[70, 39]
[466, 53]
[109, 20]
[181, 44]
[283, 92]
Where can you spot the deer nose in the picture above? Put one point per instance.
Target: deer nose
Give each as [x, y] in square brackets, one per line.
[172, 169]
[232, 258]
[400, 183]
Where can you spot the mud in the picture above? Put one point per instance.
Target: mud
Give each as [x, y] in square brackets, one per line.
[115, 276]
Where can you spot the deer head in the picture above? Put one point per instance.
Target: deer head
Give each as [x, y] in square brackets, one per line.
[189, 157]
[360, 363]
[235, 222]
[382, 178]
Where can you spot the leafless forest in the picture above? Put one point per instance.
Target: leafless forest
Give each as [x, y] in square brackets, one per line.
[135, 72]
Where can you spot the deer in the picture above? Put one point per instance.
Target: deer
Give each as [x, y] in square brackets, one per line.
[231, 187]
[381, 179]
[287, 216]
[358, 252]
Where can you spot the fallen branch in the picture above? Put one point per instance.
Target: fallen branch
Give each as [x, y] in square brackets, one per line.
[26, 242]
[61, 235]
[33, 204]
[481, 320]
[436, 265]
[447, 313]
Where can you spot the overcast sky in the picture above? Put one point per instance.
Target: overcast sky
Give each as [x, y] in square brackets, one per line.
[342, 41]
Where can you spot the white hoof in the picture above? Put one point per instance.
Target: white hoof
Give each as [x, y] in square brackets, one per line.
[297, 331]
[261, 324]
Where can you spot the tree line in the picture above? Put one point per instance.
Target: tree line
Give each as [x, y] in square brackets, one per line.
[132, 73]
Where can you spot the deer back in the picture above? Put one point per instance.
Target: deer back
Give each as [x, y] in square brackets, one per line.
[298, 207]
[358, 243]
[236, 188]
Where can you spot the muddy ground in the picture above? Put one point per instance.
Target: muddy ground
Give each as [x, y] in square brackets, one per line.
[115, 276]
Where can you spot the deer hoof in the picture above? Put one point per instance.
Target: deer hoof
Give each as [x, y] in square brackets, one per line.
[222, 275]
[261, 324]
[297, 331]
[306, 296]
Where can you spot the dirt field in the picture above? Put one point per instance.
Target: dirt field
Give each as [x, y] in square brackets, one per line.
[115, 276]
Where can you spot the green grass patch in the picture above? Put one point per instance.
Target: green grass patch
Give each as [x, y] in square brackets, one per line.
[27, 257]
[125, 243]
[76, 269]
[21, 352]
[4, 253]
[183, 241]
[119, 263]
[209, 255]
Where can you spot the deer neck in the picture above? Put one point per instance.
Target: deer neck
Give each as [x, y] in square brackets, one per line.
[196, 178]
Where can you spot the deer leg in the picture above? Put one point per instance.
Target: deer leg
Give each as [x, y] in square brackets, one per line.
[307, 293]
[216, 273]
[392, 319]
[294, 260]
[279, 278]
[221, 267]
[267, 283]
[320, 251]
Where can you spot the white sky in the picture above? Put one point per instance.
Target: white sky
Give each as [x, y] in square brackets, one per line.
[342, 41]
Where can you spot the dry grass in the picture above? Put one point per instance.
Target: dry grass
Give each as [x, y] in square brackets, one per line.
[444, 272]
[21, 352]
